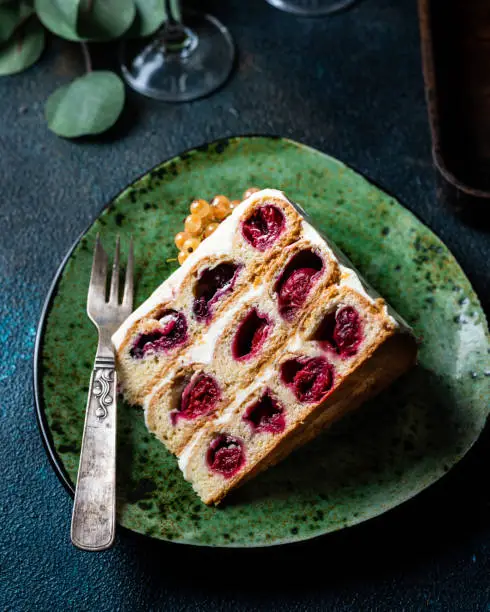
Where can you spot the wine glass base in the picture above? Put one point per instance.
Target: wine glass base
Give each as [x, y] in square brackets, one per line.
[192, 72]
[311, 8]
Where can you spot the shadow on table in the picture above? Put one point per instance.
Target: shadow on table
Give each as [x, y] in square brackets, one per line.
[452, 512]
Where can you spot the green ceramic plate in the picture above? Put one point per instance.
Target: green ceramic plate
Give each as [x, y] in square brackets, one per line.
[391, 449]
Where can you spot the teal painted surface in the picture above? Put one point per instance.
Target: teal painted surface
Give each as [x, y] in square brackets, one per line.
[394, 447]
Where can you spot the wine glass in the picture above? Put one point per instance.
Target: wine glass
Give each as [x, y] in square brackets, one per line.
[311, 8]
[189, 57]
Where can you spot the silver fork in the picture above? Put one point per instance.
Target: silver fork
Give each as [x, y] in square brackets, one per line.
[93, 525]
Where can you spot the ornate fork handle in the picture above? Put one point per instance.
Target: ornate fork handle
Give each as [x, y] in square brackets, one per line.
[94, 513]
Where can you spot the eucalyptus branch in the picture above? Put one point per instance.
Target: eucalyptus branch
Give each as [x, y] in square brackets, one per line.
[82, 21]
[24, 20]
[86, 57]
[173, 11]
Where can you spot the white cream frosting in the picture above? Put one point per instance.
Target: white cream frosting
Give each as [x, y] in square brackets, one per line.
[308, 232]
[185, 456]
[219, 243]
[348, 278]
[295, 343]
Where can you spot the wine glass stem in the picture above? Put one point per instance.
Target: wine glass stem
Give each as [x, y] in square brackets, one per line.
[174, 36]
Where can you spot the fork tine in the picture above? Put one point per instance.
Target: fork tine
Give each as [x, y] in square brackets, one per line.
[114, 295]
[128, 284]
[98, 276]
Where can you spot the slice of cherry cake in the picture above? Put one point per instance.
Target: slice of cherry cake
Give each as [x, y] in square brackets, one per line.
[263, 338]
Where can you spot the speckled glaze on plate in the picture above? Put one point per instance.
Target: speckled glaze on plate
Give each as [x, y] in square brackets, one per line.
[384, 454]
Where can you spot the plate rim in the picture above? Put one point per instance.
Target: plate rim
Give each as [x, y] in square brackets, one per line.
[41, 419]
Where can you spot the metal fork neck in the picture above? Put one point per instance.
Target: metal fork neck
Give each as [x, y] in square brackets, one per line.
[105, 350]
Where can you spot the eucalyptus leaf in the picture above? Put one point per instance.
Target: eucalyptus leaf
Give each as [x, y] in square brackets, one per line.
[23, 49]
[105, 19]
[90, 104]
[150, 14]
[59, 16]
[11, 15]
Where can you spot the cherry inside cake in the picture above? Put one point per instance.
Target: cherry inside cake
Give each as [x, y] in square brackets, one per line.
[213, 284]
[251, 334]
[171, 332]
[340, 332]
[263, 226]
[199, 397]
[297, 281]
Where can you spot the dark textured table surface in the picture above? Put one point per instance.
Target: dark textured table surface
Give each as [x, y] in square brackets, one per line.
[350, 85]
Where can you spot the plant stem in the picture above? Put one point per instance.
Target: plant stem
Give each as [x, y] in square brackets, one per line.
[24, 20]
[174, 12]
[86, 57]
[19, 30]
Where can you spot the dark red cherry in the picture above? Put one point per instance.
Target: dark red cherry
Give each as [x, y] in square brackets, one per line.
[347, 331]
[211, 286]
[340, 332]
[266, 415]
[296, 282]
[172, 333]
[226, 455]
[310, 378]
[251, 335]
[199, 397]
[264, 226]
